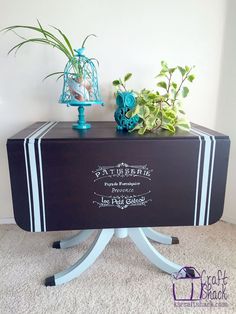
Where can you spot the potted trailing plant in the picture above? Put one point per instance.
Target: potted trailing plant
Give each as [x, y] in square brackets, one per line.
[79, 83]
[162, 108]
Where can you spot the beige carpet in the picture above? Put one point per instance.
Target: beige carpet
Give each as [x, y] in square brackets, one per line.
[120, 281]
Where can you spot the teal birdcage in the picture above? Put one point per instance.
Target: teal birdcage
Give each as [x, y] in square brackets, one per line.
[80, 86]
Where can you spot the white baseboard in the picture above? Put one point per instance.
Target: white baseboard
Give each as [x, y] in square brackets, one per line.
[6, 221]
[229, 219]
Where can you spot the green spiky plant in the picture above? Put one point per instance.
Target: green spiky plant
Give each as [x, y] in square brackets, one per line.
[161, 109]
[46, 37]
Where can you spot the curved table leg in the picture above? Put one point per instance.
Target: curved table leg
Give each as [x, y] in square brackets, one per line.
[143, 244]
[72, 241]
[159, 237]
[99, 244]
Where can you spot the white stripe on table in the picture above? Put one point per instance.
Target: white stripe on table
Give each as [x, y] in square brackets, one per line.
[211, 174]
[27, 173]
[34, 176]
[198, 176]
[41, 175]
[205, 176]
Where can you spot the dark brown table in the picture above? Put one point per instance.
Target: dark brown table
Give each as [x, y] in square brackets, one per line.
[118, 182]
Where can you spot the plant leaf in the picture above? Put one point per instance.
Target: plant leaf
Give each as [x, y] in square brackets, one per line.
[183, 124]
[152, 96]
[172, 70]
[162, 84]
[143, 111]
[127, 76]
[160, 75]
[187, 68]
[150, 122]
[54, 73]
[17, 34]
[174, 85]
[137, 126]
[182, 70]
[40, 26]
[87, 38]
[142, 130]
[57, 43]
[60, 76]
[38, 40]
[116, 82]
[169, 127]
[185, 91]
[164, 66]
[65, 38]
[129, 114]
[94, 60]
[190, 78]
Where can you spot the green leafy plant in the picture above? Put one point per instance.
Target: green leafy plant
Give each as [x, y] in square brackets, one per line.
[46, 37]
[121, 84]
[162, 108]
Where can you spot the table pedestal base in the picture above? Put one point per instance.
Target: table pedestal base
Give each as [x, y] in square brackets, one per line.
[138, 235]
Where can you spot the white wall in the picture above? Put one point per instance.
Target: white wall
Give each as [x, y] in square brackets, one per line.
[133, 36]
[226, 110]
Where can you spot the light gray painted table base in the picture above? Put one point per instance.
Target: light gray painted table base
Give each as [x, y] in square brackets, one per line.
[140, 237]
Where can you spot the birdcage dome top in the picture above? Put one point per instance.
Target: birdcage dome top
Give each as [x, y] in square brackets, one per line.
[80, 81]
